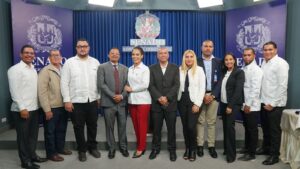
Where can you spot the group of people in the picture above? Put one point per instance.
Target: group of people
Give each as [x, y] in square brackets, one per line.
[197, 88]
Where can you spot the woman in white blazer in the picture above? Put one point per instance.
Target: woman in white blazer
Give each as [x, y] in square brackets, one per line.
[190, 97]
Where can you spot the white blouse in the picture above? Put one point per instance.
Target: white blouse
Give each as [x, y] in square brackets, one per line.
[223, 88]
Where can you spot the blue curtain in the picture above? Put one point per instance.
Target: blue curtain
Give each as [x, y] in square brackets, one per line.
[182, 30]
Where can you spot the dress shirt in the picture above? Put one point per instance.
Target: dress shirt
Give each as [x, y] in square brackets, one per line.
[163, 69]
[274, 82]
[208, 71]
[138, 79]
[22, 80]
[79, 80]
[223, 88]
[252, 86]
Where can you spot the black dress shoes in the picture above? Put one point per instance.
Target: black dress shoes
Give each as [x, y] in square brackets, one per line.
[30, 165]
[39, 159]
[192, 155]
[212, 152]
[95, 153]
[125, 152]
[186, 154]
[262, 151]
[230, 160]
[173, 156]
[111, 154]
[82, 156]
[200, 151]
[135, 155]
[242, 151]
[153, 154]
[271, 160]
[247, 157]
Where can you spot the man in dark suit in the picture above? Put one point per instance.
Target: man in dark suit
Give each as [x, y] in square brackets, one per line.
[112, 78]
[163, 87]
[209, 109]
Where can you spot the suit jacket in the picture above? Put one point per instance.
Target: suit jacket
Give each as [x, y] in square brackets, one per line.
[164, 85]
[235, 87]
[216, 69]
[106, 83]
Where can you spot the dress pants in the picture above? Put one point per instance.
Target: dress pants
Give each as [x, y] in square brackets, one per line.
[139, 115]
[158, 118]
[55, 131]
[189, 121]
[85, 113]
[251, 131]
[110, 114]
[229, 131]
[27, 134]
[271, 129]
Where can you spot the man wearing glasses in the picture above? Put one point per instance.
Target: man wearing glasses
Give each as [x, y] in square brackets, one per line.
[81, 97]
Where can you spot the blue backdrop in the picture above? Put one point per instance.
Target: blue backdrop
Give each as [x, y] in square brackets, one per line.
[181, 29]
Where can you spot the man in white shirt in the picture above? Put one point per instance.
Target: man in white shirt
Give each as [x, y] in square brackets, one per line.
[273, 98]
[81, 97]
[251, 106]
[22, 79]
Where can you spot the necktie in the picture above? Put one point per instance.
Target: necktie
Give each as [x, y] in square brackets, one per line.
[186, 83]
[117, 80]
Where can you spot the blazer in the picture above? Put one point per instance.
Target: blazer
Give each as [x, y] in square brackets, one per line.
[216, 69]
[106, 83]
[196, 85]
[49, 88]
[164, 85]
[235, 87]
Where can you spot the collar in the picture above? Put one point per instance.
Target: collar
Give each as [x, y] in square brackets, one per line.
[78, 58]
[164, 67]
[23, 64]
[113, 63]
[272, 59]
[253, 63]
[210, 59]
[141, 65]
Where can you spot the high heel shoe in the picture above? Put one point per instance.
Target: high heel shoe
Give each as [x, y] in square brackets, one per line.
[135, 155]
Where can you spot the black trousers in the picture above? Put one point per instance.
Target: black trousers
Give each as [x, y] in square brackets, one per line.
[189, 121]
[229, 131]
[270, 122]
[27, 134]
[158, 118]
[251, 131]
[85, 113]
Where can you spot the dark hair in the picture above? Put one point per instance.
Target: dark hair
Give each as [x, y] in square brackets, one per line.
[253, 51]
[224, 68]
[139, 49]
[52, 50]
[270, 43]
[82, 40]
[26, 46]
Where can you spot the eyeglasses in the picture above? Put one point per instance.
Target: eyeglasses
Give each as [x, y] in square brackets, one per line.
[83, 47]
[56, 56]
[28, 53]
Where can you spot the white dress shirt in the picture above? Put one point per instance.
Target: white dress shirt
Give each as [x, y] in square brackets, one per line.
[223, 87]
[22, 80]
[274, 82]
[79, 80]
[164, 68]
[196, 85]
[208, 71]
[139, 79]
[252, 86]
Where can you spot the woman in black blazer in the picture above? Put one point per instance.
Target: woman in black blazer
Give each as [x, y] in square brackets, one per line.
[231, 102]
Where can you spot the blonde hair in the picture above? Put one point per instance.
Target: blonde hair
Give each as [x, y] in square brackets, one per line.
[183, 66]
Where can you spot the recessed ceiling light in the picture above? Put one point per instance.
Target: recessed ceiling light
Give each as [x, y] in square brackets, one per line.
[108, 3]
[209, 3]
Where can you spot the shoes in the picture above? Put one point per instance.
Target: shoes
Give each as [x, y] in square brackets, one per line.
[212, 152]
[153, 154]
[39, 159]
[262, 151]
[247, 157]
[192, 155]
[65, 152]
[173, 156]
[56, 158]
[242, 151]
[111, 154]
[186, 154]
[30, 165]
[82, 156]
[230, 160]
[135, 155]
[95, 153]
[124, 152]
[271, 160]
[200, 151]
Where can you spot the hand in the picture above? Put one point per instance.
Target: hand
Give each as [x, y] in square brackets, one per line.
[24, 114]
[69, 107]
[165, 101]
[268, 107]
[228, 110]
[195, 109]
[128, 89]
[49, 115]
[247, 109]
[208, 99]
[118, 98]
[98, 103]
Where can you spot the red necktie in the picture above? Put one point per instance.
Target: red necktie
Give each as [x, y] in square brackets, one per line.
[117, 80]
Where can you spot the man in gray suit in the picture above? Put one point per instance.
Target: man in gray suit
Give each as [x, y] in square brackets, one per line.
[111, 80]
